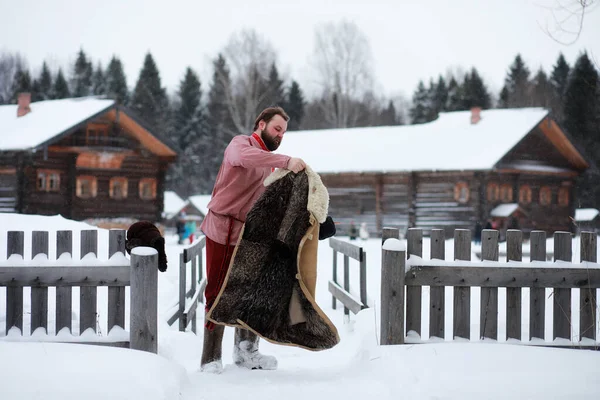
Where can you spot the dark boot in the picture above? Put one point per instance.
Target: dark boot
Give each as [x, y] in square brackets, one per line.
[211, 351]
[246, 354]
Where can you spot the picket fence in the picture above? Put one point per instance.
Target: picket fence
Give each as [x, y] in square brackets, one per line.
[404, 277]
[139, 273]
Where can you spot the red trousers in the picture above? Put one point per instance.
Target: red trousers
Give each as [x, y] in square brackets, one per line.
[218, 257]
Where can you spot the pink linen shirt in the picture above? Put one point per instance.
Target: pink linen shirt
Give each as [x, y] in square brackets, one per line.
[238, 185]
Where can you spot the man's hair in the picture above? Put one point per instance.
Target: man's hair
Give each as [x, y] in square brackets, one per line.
[268, 113]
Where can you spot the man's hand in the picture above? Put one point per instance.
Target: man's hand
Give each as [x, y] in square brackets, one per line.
[296, 165]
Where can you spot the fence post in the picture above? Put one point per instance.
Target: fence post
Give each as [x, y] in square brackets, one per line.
[15, 244]
[489, 295]
[64, 294]
[39, 295]
[562, 297]
[537, 295]
[462, 294]
[116, 294]
[514, 252]
[182, 296]
[587, 296]
[414, 247]
[333, 299]
[144, 299]
[437, 293]
[393, 271]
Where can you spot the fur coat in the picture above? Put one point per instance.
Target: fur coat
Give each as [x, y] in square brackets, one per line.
[270, 285]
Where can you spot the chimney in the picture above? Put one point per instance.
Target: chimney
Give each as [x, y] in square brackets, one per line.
[23, 104]
[475, 115]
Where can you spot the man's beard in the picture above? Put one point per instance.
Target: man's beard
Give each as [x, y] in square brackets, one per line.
[272, 143]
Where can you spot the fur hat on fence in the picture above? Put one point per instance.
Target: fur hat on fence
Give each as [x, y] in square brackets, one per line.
[145, 233]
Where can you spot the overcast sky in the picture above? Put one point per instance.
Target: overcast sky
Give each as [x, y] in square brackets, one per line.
[410, 40]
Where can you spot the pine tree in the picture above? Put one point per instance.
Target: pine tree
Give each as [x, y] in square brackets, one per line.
[45, 83]
[275, 91]
[558, 80]
[454, 96]
[503, 98]
[294, 106]
[81, 82]
[475, 93]
[21, 84]
[388, 116]
[149, 98]
[542, 91]
[440, 96]
[61, 88]
[420, 105]
[189, 109]
[518, 85]
[581, 120]
[99, 81]
[432, 112]
[35, 91]
[116, 82]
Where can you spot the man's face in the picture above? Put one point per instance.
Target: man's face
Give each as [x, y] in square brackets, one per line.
[272, 132]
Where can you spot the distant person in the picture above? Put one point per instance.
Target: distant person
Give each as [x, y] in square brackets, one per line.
[353, 232]
[180, 227]
[363, 232]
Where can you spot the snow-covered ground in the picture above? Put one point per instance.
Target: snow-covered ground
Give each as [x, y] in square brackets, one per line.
[355, 369]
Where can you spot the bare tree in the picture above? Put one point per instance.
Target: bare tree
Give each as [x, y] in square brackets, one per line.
[10, 63]
[249, 57]
[344, 67]
[566, 18]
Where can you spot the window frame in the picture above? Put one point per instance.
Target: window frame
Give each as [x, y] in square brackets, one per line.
[506, 188]
[492, 191]
[47, 176]
[458, 191]
[543, 191]
[116, 181]
[93, 187]
[525, 194]
[147, 181]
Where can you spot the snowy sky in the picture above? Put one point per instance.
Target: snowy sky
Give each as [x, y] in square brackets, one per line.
[410, 39]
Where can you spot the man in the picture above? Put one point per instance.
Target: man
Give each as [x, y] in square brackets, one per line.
[246, 163]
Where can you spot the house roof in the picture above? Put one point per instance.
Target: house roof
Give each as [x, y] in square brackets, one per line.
[200, 202]
[46, 120]
[450, 143]
[504, 210]
[172, 204]
[586, 214]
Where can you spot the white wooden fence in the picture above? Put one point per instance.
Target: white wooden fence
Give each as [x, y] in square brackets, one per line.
[139, 273]
[400, 275]
[342, 294]
[186, 310]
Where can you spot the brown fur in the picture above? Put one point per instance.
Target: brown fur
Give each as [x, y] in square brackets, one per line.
[145, 233]
[264, 271]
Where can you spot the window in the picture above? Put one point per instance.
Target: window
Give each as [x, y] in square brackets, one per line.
[147, 188]
[87, 187]
[461, 192]
[525, 194]
[492, 191]
[96, 134]
[506, 193]
[48, 180]
[545, 196]
[563, 196]
[117, 188]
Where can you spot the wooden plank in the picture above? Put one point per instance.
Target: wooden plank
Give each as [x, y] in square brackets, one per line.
[388, 232]
[88, 294]
[414, 240]
[15, 244]
[562, 296]
[363, 280]
[193, 280]
[39, 294]
[436, 293]
[333, 299]
[587, 298]
[514, 249]
[195, 250]
[182, 294]
[349, 301]
[537, 295]
[462, 295]
[347, 279]
[144, 302]
[348, 249]
[467, 276]
[489, 295]
[13, 276]
[190, 311]
[393, 267]
[116, 294]
[64, 298]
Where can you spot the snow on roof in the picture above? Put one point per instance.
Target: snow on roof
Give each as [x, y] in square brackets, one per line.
[200, 202]
[586, 214]
[450, 143]
[45, 120]
[172, 204]
[504, 210]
